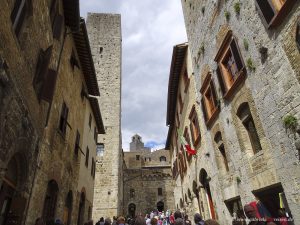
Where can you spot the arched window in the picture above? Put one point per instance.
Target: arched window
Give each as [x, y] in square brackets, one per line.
[132, 193]
[245, 117]
[68, 208]
[50, 201]
[162, 159]
[220, 145]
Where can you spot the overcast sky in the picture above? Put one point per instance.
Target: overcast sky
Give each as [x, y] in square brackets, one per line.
[150, 29]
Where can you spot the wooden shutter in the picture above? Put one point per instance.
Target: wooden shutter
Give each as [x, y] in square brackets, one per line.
[57, 26]
[64, 118]
[221, 81]
[192, 132]
[87, 157]
[204, 109]
[77, 142]
[236, 54]
[18, 14]
[49, 86]
[41, 69]
[265, 10]
[213, 90]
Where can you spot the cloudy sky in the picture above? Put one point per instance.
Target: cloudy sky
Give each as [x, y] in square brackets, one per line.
[150, 29]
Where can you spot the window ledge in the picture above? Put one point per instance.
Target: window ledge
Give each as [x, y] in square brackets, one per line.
[211, 120]
[240, 79]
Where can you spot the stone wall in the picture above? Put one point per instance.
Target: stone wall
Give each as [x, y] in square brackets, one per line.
[271, 89]
[143, 177]
[105, 40]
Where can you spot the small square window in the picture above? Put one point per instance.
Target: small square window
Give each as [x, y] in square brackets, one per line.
[137, 157]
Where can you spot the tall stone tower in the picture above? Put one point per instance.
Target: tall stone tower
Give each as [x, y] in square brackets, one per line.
[105, 39]
[137, 145]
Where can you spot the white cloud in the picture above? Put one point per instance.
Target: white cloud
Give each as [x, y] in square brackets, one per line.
[150, 29]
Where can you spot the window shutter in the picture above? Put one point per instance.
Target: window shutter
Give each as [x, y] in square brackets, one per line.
[221, 81]
[236, 54]
[77, 142]
[18, 14]
[41, 69]
[192, 132]
[213, 89]
[65, 113]
[49, 86]
[57, 27]
[265, 11]
[197, 125]
[203, 109]
[15, 10]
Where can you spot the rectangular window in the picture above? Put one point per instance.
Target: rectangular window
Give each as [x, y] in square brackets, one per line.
[63, 122]
[100, 150]
[159, 191]
[95, 134]
[56, 19]
[209, 100]
[235, 207]
[231, 70]
[18, 14]
[39, 80]
[137, 157]
[194, 127]
[77, 143]
[187, 138]
[298, 35]
[87, 155]
[273, 12]
[186, 80]
[254, 139]
[92, 167]
[90, 121]
[180, 104]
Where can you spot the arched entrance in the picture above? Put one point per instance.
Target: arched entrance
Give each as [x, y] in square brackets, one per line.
[160, 206]
[12, 204]
[204, 180]
[81, 209]
[68, 208]
[50, 201]
[131, 210]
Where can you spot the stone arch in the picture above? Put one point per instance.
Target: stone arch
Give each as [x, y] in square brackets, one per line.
[12, 200]
[220, 152]
[50, 201]
[131, 209]
[204, 180]
[68, 208]
[242, 98]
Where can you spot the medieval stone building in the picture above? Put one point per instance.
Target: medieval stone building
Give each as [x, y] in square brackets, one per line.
[47, 76]
[147, 179]
[245, 63]
[105, 38]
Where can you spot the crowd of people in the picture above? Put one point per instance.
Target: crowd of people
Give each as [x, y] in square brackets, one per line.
[250, 216]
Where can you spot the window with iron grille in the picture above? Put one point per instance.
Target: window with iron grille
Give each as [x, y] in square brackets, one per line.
[231, 69]
[272, 12]
[63, 122]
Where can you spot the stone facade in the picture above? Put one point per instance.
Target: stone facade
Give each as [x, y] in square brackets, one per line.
[105, 38]
[147, 181]
[245, 152]
[45, 84]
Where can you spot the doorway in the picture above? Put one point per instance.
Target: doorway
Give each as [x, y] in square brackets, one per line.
[131, 210]
[160, 206]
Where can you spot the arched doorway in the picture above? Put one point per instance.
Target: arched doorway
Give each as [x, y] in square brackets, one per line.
[81, 209]
[68, 208]
[131, 210]
[160, 206]
[50, 201]
[204, 180]
[12, 204]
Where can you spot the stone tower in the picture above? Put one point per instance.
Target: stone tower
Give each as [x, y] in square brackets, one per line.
[136, 144]
[105, 39]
